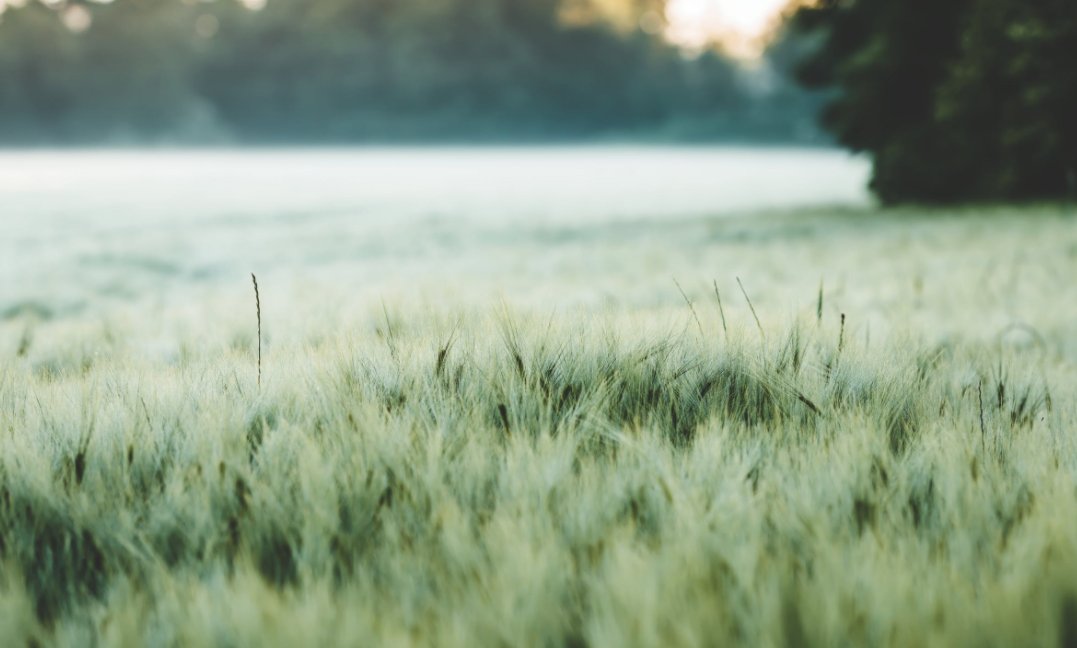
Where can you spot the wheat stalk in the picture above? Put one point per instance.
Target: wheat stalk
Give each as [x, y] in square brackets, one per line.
[819, 305]
[841, 334]
[690, 307]
[758, 324]
[721, 311]
[258, 313]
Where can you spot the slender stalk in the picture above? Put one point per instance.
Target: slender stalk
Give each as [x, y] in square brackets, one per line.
[819, 305]
[841, 334]
[721, 311]
[983, 426]
[750, 306]
[691, 308]
[258, 312]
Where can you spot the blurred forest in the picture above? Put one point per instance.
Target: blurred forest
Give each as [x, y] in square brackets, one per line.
[343, 71]
[962, 100]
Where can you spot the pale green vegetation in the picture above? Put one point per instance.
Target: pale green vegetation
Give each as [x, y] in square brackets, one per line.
[585, 461]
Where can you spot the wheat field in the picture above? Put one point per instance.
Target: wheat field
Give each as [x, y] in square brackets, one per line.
[817, 427]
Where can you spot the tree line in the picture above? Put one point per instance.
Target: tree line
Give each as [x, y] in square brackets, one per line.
[344, 71]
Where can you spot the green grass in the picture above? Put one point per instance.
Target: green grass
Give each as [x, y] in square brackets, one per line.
[600, 477]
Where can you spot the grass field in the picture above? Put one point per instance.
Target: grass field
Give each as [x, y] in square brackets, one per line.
[536, 439]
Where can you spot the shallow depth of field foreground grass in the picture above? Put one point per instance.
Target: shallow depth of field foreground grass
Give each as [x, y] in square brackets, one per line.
[504, 476]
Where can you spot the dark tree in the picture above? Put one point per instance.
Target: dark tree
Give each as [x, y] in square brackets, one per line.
[885, 59]
[955, 101]
[1010, 102]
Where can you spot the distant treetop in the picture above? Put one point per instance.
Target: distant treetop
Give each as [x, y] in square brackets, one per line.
[346, 71]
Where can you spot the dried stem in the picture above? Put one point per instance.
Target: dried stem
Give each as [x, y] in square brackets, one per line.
[258, 312]
[690, 307]
[983, 427]
[721, 311]
[841, 334]
[819, 305]
[750, 306]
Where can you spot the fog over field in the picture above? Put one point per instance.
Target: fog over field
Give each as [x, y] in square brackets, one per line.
[90, 235]
[82, 228]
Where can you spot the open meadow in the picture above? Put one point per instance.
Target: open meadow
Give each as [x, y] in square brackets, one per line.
[578, 415]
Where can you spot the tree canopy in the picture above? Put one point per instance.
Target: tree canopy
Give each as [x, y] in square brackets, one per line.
[963, 100]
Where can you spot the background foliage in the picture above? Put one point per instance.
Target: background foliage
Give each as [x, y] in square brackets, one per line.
[956, 101]
[339, 71]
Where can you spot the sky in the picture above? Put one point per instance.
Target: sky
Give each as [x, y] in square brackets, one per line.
[739, 24]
